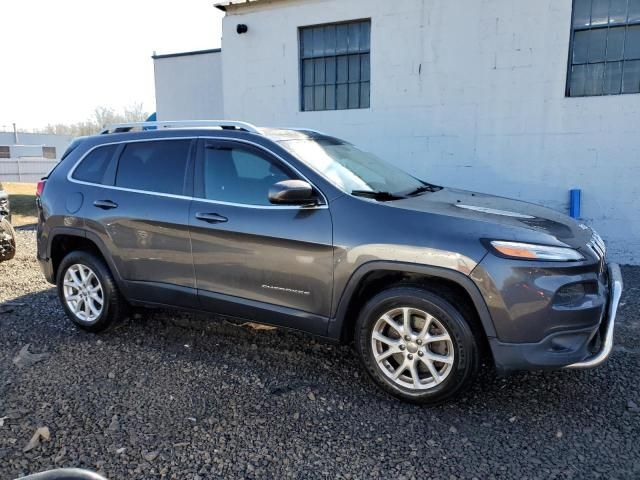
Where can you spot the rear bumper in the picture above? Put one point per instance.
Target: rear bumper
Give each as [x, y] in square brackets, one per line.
[570, 348]
[47, 268]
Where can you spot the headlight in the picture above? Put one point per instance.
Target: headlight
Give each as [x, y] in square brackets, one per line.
[529, 251]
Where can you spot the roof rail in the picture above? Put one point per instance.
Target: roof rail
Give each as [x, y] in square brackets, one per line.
[224, 124]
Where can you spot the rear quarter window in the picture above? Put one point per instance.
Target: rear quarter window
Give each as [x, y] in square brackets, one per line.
[154, 166]
[95, 167]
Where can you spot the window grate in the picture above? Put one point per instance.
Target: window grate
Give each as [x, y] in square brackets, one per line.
[335, 66]
[605, 48]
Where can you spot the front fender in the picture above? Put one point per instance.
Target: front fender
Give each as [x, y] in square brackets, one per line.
[339, 321]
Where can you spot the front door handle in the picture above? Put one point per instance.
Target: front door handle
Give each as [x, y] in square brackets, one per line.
[105, 204]
[211, 217]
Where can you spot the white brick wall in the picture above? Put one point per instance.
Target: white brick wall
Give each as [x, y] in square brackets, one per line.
[467, 93]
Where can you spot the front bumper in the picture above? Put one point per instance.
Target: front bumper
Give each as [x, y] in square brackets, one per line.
[585, 347]
[608, 323]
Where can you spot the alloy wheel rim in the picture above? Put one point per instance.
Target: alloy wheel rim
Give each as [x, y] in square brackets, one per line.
[83, 293]
[412, 348]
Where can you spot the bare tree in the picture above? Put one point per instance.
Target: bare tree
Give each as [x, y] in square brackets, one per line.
[102, 116]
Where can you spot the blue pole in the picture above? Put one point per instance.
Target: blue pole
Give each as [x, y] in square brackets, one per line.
[575, 195]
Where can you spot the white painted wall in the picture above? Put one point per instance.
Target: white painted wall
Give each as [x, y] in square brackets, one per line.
[189, 87]
[27, 163]
[33, 140]
[466, 93]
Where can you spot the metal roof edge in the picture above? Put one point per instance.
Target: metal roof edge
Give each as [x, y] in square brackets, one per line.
[186, 54]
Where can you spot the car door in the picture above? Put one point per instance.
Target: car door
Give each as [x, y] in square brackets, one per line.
[251, 258]
[142, 216]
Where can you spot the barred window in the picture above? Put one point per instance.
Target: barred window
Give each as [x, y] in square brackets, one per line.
[5, 152]
[605, 48]
[49, 152]
[335, 66]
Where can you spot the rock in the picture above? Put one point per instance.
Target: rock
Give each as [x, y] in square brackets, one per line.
[633, 406]
[512, 419]
[25, 358]
[150, 456]
[453, 429]
[111, 375]
[121, 450]
[114, 426]
[41, 433]
[60, 456]
[311, 396]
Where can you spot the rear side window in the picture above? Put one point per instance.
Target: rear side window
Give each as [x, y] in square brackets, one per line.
[157, 166]
[95, 166]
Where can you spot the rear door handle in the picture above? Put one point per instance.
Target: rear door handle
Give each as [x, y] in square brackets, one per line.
[211, 217]
[105, 204]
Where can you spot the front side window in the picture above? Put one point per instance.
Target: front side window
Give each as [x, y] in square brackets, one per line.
[95, 167]
[156, 166]
[351, 169]
[241, 175]
[605, 52]
[335, 66]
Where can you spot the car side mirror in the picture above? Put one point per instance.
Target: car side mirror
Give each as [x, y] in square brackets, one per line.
[292, 192]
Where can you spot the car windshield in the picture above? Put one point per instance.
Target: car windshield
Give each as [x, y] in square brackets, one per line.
[350, 169]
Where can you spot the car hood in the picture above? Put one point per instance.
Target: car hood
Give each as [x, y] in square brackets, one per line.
[542, 222]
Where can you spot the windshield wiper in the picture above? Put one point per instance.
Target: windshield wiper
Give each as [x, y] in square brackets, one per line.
[423, 189]
[376, 195]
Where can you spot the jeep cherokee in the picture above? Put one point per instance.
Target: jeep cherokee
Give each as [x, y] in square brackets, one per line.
[303, 230]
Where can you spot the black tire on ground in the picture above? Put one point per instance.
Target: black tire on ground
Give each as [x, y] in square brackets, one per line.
[114, 306]
[7, 240]
[466, 358]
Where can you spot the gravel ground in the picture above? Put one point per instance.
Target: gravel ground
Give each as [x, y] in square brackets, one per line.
[181, 396]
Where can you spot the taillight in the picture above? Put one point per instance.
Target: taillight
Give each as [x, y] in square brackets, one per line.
[40, 188]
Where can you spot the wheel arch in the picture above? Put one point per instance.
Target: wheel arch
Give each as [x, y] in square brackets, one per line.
[373, 277]
[66, 240]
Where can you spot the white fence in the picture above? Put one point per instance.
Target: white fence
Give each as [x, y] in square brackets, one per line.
[25, 169]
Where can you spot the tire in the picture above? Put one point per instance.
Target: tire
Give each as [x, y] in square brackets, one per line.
[7, 240]
[89, 315]
[447, 337]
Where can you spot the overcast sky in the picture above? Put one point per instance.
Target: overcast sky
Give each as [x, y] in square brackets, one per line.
[62, 58]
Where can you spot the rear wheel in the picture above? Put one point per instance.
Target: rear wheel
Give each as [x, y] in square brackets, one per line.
[88, 291]
[415, 345]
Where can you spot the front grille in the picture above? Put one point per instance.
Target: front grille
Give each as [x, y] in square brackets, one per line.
[597, 246]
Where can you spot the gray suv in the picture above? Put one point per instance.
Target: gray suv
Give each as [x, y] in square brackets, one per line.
[302, 230]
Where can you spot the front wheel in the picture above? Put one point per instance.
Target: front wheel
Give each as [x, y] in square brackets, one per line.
[88, 291]
[415, 345]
